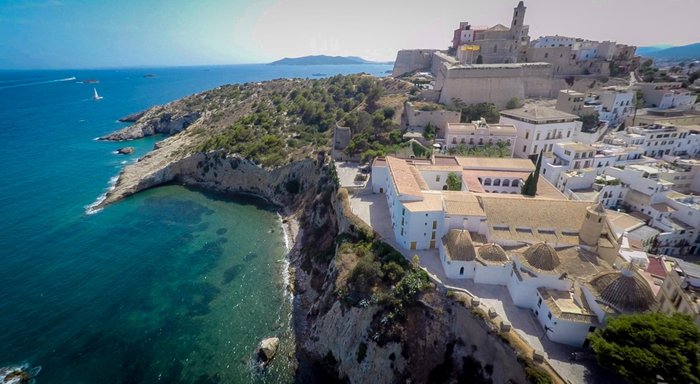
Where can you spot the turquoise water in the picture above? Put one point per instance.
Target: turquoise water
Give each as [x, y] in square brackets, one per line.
[170, 285]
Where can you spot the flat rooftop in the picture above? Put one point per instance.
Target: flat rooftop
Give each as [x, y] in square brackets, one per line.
[495, 163]
[538, 114]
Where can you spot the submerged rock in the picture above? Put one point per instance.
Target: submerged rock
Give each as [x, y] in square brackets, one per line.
[268, 349]
[125, 150]
[21, 374]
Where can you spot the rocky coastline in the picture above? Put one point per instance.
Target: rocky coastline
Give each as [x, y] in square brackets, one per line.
[439, 338]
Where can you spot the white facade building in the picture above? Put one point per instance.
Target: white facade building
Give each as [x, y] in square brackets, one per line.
[666, 95]
[539, 128]
[479, 134]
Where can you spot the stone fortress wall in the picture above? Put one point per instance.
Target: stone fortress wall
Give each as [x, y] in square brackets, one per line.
[494, 83]
[412, 60]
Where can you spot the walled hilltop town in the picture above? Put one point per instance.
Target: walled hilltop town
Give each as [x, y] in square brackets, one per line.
[553, 181]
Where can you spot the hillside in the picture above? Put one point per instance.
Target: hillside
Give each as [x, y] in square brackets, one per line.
[322, 60]
[690, 51]
[361, 312]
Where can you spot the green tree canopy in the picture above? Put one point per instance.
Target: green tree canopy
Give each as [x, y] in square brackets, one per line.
[513, 103]
[454, 182]
[475, 112]
[646, 346]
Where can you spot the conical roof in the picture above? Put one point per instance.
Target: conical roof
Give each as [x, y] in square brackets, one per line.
[492, 253]
[542, 256]
[626, 291]
[458, 245]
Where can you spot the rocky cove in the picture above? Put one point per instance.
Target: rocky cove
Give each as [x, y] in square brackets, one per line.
[435, 337]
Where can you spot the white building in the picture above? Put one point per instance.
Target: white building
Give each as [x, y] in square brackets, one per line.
[666, 95]
[616, 104]
[570, 156]
[680, 292]
[660, 140]
[539, 128]
[554, 255]
[479, 134]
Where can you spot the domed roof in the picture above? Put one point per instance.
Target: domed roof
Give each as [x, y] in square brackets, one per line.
[624, 290]
[493, 253]
[542, 256]
[458, 245]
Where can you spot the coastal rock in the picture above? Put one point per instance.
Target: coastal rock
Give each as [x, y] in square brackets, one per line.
[125, 150]
[153, 122]
[132, 118]
[268, 349]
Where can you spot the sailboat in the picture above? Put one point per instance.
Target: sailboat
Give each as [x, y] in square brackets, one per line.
[96, 96]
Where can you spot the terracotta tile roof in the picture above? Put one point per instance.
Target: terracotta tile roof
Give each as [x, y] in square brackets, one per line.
[498, 174]
[432, 202]
[656, 267]
[419, 179]
[626, 291]
[437, 167]
[663, 207]
[462, 203]
[473, 183]
[536, 214]
[458, 245]
[445, 160]
[403, 177]
[496, 163]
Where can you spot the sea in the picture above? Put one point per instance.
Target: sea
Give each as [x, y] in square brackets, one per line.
[170, 285]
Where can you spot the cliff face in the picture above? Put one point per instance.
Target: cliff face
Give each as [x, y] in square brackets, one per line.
[152, 122]
[438, 340]
[219, 172]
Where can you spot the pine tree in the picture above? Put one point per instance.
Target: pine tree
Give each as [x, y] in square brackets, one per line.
[529, 188]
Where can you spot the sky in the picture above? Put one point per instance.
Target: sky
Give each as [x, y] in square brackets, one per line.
[39, 34]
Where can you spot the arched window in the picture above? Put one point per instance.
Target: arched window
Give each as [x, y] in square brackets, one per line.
[471, 141]
[454, 140]
[461, 271]
[481, 141]
[495, 48]
[463, 141]
[487, 181]
[496, 182]
[506, 183]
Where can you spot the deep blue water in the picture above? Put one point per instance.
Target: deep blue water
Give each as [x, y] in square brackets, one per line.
[170, 285]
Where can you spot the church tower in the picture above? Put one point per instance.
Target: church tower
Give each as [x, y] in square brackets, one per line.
[592, 226]
[518, 19]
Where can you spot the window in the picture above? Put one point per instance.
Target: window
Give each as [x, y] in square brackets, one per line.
[434, 224]
[524, 148]
[549, 316]
[403, 212]
[527, 134]
[437, 178]
[537, 137]
[539, 302]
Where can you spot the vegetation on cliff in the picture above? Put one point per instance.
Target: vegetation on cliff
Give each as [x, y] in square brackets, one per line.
[290, 121]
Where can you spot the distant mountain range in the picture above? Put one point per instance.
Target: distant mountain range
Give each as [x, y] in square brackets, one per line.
[324, 60]
[690, 51]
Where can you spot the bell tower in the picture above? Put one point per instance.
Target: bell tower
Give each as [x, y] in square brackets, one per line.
[592, 226]
[518, 18]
